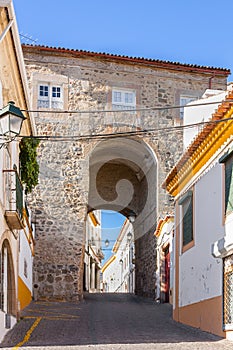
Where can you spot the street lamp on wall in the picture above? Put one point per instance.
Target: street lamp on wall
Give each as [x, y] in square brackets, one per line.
[129, 236]
[131, 218]
[11, 120]
[106, 242]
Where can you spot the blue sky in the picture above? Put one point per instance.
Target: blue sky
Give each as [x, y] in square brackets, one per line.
[111, 225]
[195, 32]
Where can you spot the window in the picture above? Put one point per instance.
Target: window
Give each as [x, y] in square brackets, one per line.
[228, 293]
[50, 96]
[187, 218]
[25, 268]
[123, 99]
[44, 91]
[227, 158]
[183, 101]
[229, 185]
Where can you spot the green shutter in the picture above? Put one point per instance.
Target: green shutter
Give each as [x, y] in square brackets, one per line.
[228, 185]
[187, 209]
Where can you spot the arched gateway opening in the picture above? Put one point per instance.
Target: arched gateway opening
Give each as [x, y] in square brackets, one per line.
[117, 174]
[123, 178]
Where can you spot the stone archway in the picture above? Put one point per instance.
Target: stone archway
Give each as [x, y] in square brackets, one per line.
[123, 177]
[117, 173]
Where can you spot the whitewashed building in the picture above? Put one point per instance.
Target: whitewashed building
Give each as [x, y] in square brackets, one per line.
[16, 237]
[202, 184]
[93, 252]
[119, 269]
[164, 260]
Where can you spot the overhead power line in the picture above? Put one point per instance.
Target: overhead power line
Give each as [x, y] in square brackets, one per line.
[124, 133]
[124, 110]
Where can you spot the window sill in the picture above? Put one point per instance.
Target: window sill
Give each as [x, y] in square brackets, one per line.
[188, 246]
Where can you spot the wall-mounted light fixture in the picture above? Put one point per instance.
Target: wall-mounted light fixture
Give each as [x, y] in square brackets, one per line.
[129, 236]
[106, 242]
[11, 120]
[131, 218]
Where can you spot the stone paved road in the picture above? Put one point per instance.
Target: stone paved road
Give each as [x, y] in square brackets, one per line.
[106, 322]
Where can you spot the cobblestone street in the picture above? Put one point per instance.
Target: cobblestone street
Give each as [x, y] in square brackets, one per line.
[106, 321]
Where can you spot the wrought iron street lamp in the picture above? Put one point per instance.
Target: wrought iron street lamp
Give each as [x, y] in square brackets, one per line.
[106, 243]
[11, 120]
[132, 218]
[129, 236]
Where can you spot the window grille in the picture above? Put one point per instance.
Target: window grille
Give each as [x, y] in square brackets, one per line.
[228, 293]
[50, 97]
[123, 100]
[228, 185]
[187, 217]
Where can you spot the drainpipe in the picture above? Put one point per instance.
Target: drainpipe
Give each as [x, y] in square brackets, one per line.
[210, 81]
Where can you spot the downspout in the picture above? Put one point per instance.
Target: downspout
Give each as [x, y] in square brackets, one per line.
[210, 81]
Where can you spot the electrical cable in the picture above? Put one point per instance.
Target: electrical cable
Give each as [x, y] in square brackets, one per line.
[125, 110]
[123, 133]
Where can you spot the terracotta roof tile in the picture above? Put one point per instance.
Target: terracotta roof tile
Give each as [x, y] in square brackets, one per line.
[155, 62]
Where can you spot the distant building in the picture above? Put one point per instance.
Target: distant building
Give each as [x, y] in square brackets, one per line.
[119, 270]
[202, 185]
[164, 262]
[93, 252]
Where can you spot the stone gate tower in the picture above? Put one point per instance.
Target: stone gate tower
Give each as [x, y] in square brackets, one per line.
[108, 138]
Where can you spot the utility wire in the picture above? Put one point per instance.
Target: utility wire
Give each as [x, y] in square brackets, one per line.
[125, 110]
[123, 133]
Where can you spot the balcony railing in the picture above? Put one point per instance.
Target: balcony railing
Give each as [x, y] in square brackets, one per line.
[13, 199]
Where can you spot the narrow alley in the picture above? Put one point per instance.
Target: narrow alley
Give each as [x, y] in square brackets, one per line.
[106, 321]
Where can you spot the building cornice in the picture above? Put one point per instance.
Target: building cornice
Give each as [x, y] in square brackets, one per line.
[159, 64]
[204, 146]
[9, 8]
[108, 262]
[161, 224]
[120, 236]
[94, 219]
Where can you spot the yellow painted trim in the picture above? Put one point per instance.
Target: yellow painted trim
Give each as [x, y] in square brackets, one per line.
[208, 147]
[95, 255]
[177, 265]
[108, 262]
[30, 238]
[28, 334]
[94, 219]
[120, 236]
[161, 223]
[24, 294]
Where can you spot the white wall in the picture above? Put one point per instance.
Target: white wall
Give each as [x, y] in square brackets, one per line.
[112, 276]
[116, 275]
[200, 274]
[197, 114]
[4, 330]
[25, 254]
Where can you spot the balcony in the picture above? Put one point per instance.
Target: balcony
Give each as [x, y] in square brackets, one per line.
[13, 200]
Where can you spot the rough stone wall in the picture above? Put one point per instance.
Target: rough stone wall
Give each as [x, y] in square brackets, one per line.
[59, 212]
[61, 199]
[145, 252]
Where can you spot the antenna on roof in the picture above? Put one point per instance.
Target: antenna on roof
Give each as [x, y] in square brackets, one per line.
[27, 38]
